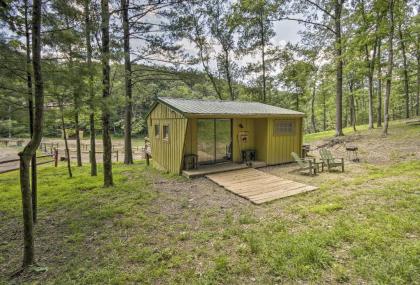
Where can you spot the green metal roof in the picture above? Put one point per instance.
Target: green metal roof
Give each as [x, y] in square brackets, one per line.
[218, 107]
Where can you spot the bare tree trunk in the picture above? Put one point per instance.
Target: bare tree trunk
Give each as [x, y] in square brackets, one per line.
[77, 132]
[128, 151]
[352, 106]
[379, 122]
[263, 58]
[405, 73]
[228, 75]
[30, 149]
[324, 113]
[66, 145]
[92, 153]
[107, 145]
[371, 68]
[313, 122]
[34, 183]
[418, 76]
[389, 67]
[339, 71]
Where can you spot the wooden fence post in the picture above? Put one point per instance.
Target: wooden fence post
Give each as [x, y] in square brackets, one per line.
[55, 157]
[147, 159]
[117, 155]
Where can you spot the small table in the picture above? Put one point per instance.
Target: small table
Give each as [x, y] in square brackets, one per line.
[352, 153]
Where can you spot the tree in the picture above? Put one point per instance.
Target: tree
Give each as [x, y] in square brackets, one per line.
[379, 77]
[418, 75]
[128, 152]
[88, 30]
[331, 22]
[34, 183]
[256, 30]
[390, 65]
[219, 18]
[369, 40]
[106, 138]
[405, 64]
[30, 149]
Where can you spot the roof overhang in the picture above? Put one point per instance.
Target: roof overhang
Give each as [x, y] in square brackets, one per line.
[221, 115]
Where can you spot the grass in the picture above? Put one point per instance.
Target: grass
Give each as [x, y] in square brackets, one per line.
[153, 228]
[308, 138]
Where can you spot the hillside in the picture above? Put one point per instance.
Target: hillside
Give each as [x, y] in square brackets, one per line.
[361, 226]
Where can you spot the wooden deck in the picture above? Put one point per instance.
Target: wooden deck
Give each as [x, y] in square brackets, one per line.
[220, 167]
[258, 186]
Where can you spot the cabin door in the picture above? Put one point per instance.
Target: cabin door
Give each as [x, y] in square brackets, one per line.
[214, 139]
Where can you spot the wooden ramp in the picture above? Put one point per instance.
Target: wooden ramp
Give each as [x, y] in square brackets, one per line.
[257, 186]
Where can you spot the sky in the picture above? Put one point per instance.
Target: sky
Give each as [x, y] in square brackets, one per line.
[286, 31]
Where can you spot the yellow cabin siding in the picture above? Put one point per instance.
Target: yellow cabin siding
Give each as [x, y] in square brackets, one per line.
[280, 146]
[167, 154]
[191, 137]
[260, 127]
[247, 128]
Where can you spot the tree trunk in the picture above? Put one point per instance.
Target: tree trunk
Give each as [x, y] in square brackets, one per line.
[379, 122]
[107, 145]
[77, 131]
[263, 58]
[92, 153]
[66, 145]
[352, 106]
[339, 71]
[389, 67]
[418, 76]
[313, 122]
[128, 152]
[405, 73]
[34, 184]
[324, 115]
[30, 149]
[370, 62]
[228, 75]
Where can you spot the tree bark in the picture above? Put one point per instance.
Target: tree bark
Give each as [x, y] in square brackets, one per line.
[66, 145]
[313, 122]
[352, 106]
[128, 152]
[264, 79]
[379, 118]
[405, 73]
[77, 131]
[339, 72]
[324, 113]
[88, 28]
[34, 184]
[418, 76]
[106, 138]
[389, 67]
[228, 75]
[30, 149]
[371, 68]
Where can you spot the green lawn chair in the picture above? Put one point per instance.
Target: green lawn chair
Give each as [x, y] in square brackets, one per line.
[305, 164]
[330, 161]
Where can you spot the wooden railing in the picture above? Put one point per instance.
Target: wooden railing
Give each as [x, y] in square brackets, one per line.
[54, 159]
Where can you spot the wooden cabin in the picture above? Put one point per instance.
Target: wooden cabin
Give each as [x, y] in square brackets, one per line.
[195, 134]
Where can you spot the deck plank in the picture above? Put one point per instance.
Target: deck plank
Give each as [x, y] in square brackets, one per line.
[258, 186]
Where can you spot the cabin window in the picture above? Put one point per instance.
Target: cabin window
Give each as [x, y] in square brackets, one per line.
[157, 131]
[166, 132]
[282, 127]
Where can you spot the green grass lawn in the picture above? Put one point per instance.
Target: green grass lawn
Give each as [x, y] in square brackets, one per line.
[308, 138]
[362, 228]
